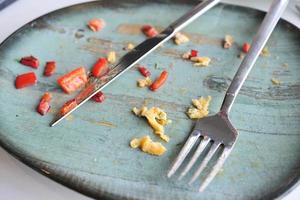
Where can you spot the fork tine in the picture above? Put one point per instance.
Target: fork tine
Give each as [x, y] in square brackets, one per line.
[184, 152]
[200, 148]
[203, 164]
[216, 168]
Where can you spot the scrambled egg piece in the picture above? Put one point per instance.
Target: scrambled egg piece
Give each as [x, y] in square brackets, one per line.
[200, 108]
[111, 57]
[156, 118]
[228, 41]
[186, 55]
[265, 52]
[275, 81]
[180, 38]
[144, 82]
[201, 61]
[148, 146]
[130, 46]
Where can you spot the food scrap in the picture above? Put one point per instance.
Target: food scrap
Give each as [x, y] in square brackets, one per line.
[144, 82]
[156, 118]
[130, 46]
[275, 81]
[265, 52]
[73, 80]
[228, 41]
[30, 61]
[200, 108]
[148, 146]
[69, 105]
[159, 81]
[99, 97]
[144, 71]
[149, 31]
[201, 61]
[50, 68]
[246, 47]
[25, 80]
[180, 38]
[96, 24]
[44, 105]
[100, 67]
[111, 57]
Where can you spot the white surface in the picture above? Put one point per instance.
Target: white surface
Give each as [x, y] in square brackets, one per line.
[19, 182]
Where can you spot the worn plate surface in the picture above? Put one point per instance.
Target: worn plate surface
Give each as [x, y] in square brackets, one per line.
[89, 152]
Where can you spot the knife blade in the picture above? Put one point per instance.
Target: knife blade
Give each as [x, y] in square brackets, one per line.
[135, 55]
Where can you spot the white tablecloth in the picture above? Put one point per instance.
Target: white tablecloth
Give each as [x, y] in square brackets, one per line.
[19, 182]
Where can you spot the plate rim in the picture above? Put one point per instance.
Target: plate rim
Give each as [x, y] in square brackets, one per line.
[279, 193]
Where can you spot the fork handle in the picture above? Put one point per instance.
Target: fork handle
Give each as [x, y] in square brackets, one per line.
[259, 41]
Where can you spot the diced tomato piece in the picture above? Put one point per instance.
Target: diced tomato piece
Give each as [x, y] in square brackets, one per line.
[69, 105]
[25, 80]
[46, 97]
[99, 97]
[30, 61]
[144, 71]
[194, 53]
[96, 24]
[73, 80]
[149, 31]
[246, 47]
[159, 81]
[100, 68]
[44, 105]
[50, 68]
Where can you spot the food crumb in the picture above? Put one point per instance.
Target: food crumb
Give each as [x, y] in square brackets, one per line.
[201, 61]
[186, 55]
[275, 81]
[111, 57]
[241, 55]
[156, 118]
[285, 65]
[96, 24]
[148, 146]
[180, 38]
[144, 82]
[265, 52]
[228, 41]
[130, 46]
[199, 108]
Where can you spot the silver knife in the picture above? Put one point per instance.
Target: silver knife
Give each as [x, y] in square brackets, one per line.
[136, 54]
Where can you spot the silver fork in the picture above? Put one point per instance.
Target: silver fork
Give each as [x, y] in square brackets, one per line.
[217, 129]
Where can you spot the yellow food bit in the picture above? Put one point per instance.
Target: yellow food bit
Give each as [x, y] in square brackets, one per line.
[275, 81]
[200, 108]
[186, 55]
[180, 38]
[156, 118]
[111, 57]
[130, 46]
[228, 41]
[201, 61]
[148, 146]
[144, 82]
[265, 52]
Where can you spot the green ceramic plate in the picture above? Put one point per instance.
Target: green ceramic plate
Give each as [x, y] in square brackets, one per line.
[90, 153]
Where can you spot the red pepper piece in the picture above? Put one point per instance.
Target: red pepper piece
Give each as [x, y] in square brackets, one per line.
[194, 53]
[159, 81]
[100, 67]
[50, 68]
[144, 71]
[149, 31]
[44, 105]
[73, 80]
[246, 47]
[96, 24]
[69, 105]
[30, 61]
[25, 80]
[99, 97]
